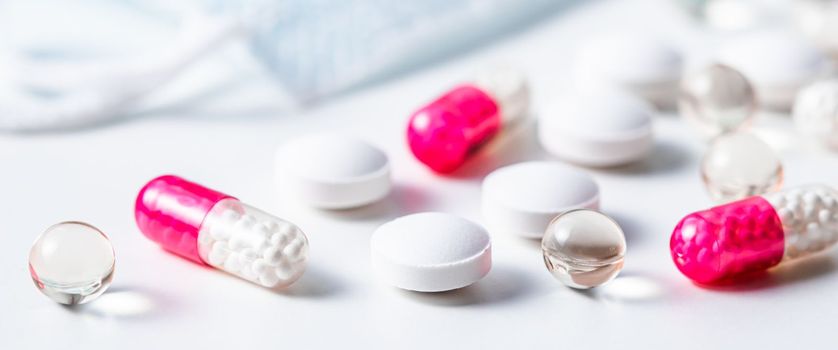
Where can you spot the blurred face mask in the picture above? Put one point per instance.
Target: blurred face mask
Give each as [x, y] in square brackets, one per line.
[314, 49]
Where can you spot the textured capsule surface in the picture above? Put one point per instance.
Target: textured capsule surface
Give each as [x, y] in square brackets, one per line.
[72, 263]
[583, 248]
[446, 131]
[252, 244]
[209, 227]
[750, 235]
[728, 240]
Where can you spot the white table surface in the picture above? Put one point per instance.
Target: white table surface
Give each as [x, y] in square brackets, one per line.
[227, 141]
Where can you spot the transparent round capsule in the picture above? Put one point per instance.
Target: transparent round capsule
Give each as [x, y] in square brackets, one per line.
[72, 263]
[583, 248]
[740, 165]
[717, 99]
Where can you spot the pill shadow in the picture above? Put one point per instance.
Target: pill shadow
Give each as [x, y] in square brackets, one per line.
[403, 199]
[666, 156]
[518, 144]
[502, 284]
[790, 273]
[629, 287]
[314, 283]
[127, 302]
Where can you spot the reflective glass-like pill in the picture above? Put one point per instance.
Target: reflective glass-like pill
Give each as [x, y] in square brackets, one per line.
[72, 262]
[754, 234]
[210, 227]
[583, 248]
[717, 99]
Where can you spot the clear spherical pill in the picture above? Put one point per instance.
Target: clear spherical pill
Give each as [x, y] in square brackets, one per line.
[717, 99]
[583, 248]
[72, 263]
[740, 165]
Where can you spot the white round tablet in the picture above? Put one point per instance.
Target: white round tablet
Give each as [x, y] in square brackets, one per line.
[815, 112]
[522, 198]
[777, 63]
[645, 66]
[431, 252]
[600, 128]
[333, 171]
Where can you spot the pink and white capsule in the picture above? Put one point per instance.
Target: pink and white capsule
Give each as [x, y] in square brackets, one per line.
[209, 227]
[756, 233]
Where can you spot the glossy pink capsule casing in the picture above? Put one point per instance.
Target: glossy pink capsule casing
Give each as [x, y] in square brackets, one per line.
[445, 132]
[731, 240]
[212, 228]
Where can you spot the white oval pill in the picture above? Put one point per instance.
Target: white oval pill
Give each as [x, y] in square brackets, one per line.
[599, 128]
[431, 252]
[777, 63]
[333, 171]
[521, 199]
[645, 66]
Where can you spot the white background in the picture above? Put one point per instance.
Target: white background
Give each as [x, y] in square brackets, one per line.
[226, 140]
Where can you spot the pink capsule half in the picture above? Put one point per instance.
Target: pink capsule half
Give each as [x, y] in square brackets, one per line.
[726, 242]
[444, 133]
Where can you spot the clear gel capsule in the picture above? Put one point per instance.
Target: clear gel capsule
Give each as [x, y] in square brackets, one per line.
[583, 248]
[717, 99]
[72, 263]
[445, 132]
[210, 227]
[728, 241]
[740, 165]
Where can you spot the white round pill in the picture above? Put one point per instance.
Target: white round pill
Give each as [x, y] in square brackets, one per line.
[777, 63]
[815, 112]
[431, 252]
[523, 198]
[600, 128]
[647, 67]
[333, 171]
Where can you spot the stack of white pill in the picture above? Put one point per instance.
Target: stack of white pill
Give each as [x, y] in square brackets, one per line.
[253, 245]
[809, 216]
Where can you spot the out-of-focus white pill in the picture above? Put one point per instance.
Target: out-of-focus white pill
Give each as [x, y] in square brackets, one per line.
[431, 252]
[600, 128]
[333, 171]
[777, 63]
[818, 21]
[815, 112]
[521, 199]
[645, 66]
